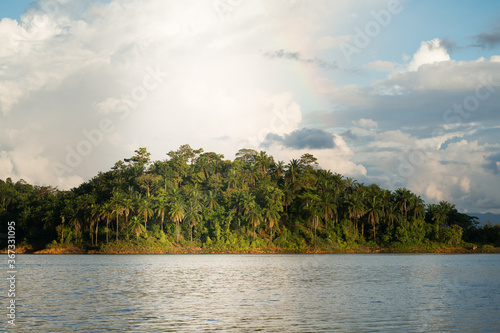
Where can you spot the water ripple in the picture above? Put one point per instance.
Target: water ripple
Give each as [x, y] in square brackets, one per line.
[249, 293]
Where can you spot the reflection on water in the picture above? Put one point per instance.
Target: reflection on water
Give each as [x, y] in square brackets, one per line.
[248, 293]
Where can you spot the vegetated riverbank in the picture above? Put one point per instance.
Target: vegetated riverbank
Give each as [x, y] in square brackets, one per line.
[197, 202]
[192, 249]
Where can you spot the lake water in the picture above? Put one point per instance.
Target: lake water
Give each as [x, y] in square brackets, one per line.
[249, 293]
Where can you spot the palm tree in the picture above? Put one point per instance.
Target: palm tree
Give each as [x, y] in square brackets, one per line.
[144, 208]
[192, 216]
[117, 207]
[328, 207]
[418, 207]
[288, 196]
[356, 208]
[374, 212]
[280, 169]
[211, 200]
[128, 206]
[391, 214]
[232, 178]
[292, 172]
[315, 212]
[254, 215]
[263, 162]
[193, 192]
[67, 213]
[107, 213]
[402, 197]
[137, 227]
[83, 203]
[272, 216]
[251, 174]
[177, 213]
[386, 203]
[161, 206]
[95, 213]
[273, 197]
[77, 224]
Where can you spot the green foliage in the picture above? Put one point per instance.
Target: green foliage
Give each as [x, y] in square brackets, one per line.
[451, 236]
[196, 198]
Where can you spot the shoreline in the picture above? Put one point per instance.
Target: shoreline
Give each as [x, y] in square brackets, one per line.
[198, 250]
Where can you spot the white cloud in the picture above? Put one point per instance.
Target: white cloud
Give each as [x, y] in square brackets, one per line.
[31, 166]
[64, 71]
[71, 67]
[429, 52]
[461, 180]
[367, 123]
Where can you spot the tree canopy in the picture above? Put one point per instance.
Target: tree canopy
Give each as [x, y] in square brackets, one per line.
[196, 197]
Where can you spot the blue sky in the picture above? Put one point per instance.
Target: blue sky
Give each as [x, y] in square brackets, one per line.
[85, 83]
[13, 8]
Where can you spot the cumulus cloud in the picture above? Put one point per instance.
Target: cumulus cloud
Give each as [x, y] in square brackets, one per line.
[464, 181]
[435, 123]
[102, 78]
[462, 172]
[429, 52]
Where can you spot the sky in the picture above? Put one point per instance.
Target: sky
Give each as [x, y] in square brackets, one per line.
[398, 93]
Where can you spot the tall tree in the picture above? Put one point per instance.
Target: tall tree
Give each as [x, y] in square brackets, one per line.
[161, 206]
[128, 207]
[177, 213]
[118, 207]
[144, 207]
[107, 213]
[374, 212]
[137, 227]
[402, 197]
[254, 215]
[141, 160]
[95, 212]
[192, 216]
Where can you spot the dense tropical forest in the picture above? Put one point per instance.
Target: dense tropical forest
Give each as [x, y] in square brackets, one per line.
[198, 199]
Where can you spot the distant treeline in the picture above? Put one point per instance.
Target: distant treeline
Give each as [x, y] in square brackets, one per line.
[198, 198]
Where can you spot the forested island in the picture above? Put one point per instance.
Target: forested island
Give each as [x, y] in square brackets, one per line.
[198, 202]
